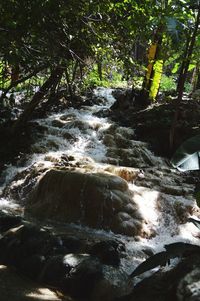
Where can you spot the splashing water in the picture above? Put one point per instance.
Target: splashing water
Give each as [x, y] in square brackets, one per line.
[79, 135]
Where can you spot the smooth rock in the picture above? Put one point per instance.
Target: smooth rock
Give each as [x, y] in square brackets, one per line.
[98, 200]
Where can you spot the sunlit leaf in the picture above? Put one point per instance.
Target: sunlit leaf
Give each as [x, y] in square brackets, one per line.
[158, 68]
[175, 69]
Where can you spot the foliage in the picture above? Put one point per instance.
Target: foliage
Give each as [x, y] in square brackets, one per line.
[167, 83]
[37, 36]
[80, 29]
[187, 87]
[111, 78]
[92, 79]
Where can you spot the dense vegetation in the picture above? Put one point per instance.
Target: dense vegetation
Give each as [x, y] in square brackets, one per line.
[48, 45]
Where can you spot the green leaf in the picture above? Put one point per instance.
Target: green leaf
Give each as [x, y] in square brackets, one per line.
[191, 67]
[175, 69]
[158, 67]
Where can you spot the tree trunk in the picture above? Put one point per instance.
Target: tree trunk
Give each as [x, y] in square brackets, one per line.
[14, 74]
[183, 64]
[181, 82]
[26, 115]
[74, 71]
[195, 77]
[153, 74]
[69, 85]
[52, 97]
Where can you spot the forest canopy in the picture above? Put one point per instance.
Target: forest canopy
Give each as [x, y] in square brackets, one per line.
[148, 45]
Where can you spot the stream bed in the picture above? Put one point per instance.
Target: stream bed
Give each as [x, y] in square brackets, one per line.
[147, 203]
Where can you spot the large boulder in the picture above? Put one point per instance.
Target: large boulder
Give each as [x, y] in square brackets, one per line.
[75, 274]
[70, 264]
[98, 200]
[22, 243]
[178, 283]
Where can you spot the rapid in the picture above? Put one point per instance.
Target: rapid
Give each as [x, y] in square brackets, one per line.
[86, 140]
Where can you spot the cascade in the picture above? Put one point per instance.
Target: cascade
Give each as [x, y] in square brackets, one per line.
[150, 211]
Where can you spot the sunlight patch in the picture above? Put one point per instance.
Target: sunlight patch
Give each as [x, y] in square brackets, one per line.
[146, 200]
[43, 294]
[8, 204]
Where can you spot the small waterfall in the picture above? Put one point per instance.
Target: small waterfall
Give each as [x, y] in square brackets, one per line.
[78, 138]
[72, 133]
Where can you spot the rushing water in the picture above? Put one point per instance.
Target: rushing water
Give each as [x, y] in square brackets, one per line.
[79, 136]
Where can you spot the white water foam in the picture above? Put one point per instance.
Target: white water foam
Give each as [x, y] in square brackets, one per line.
[86, 132]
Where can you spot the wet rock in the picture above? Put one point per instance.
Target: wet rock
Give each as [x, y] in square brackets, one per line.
[83, 276]
[122, 142]
[129, 152]
[189, 287]
[57, 123]
[68, 136]
[52, 159]
[24, 181]
[127, 173]
[124, 99]
[179, 283]
[72, 244]
[55, 271]
[97, 200]
[113, 284]
[81, 125]
[109, 140]
[110, 160]
[108, 252]
[93, 100]
[38, 149]
[103, 113]
[51, 144]
[38, 254]
[21, 243]
[16, 288]
[126, 132]
[32, 266]
[123, 223]
[153, 125]
[8, 221]
[75, 274]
